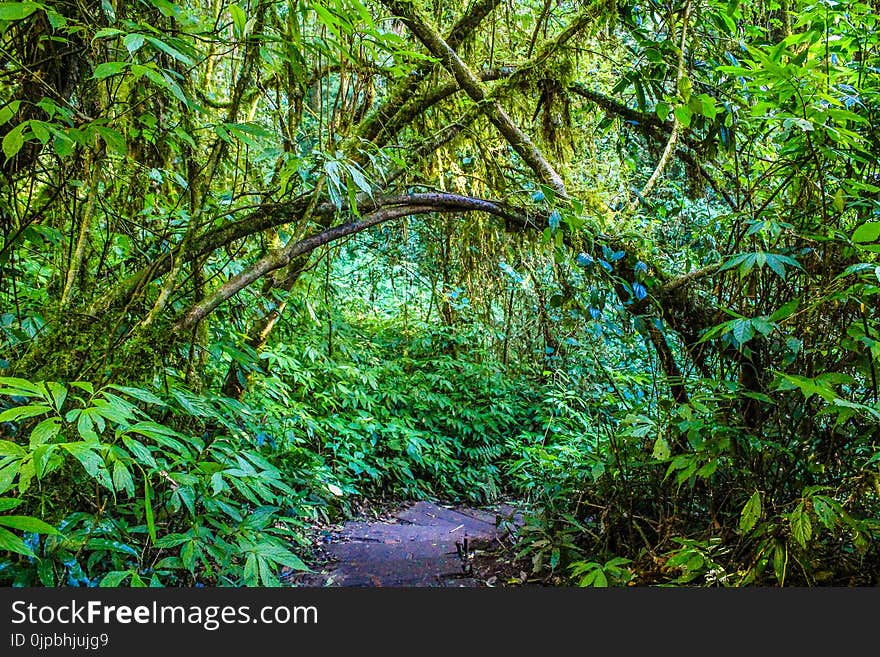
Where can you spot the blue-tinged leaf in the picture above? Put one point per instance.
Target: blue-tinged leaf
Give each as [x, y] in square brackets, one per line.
[111, 546]
[585, 260]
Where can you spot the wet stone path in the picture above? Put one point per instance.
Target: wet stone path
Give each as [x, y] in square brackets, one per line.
[425, 544]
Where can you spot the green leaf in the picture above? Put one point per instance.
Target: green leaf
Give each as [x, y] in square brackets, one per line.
[825, 511]
[26, 387]
[14, 140]
[281, 555]
[122, 479]
[12, 543]
[683, 113]
[92, 462]
[23, 412]
[85, 426]
[168, 50]
[7, 503]
[743, 331]
[114, 578]
[46, 572]
[140, 394]
[28, 524]
[245, 132]
[9, 448]
[251, 570]
[45, 431]
[708, 108]
[684, 88]
[140, 452]
[804, 124]
[133, 42]
[110, 546]
[239, 20]
[868, 232]
[40, 130]
[780, 557]
[40, 458]
[25, 475]
[58, 393]
[662, 110]
[708, 469]
[808, 387]
[751, 512]
[63, 144]
[84, 385]
[16, 11]
[167, 9]
[108, 69]
[801, 528]
[661, 449]
[114, 140]
[7, 476]
[785, 310]
[152, 430]
[360, 180]
[776, 265]
[108, 32]
[267, 577]
[148, 510]
[7, 112]
[596, 578]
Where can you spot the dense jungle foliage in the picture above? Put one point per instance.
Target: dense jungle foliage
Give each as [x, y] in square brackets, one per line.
[261, 260]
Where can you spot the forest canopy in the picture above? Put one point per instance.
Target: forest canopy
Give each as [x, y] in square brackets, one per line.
[263, 260]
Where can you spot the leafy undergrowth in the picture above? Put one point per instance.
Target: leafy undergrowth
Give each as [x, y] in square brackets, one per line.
[696, 500]
[122, 485]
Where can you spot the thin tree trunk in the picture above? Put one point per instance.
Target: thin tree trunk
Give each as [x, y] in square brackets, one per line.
[76, 260]
[508, 322]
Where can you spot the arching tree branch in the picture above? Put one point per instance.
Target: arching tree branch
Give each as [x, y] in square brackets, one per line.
[393, 208]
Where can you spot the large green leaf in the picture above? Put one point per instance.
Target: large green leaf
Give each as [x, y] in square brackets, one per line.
[12, 543]
[28, 524]
[16, 11]
[868, 232]
[23, 412]
[751, 513]
[92, 462]
[45, 431]
[801, 527]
